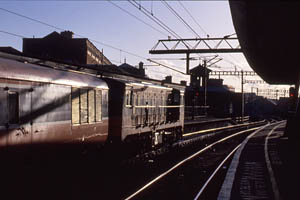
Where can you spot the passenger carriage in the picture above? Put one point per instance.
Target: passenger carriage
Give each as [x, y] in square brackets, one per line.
[43, 105]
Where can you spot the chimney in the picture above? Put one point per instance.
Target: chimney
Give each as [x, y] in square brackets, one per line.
[183, 83]
[141, 64]
[67, 34]
[141, 68]
[168, 79]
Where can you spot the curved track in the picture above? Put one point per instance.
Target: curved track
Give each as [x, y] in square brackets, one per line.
[198, 170]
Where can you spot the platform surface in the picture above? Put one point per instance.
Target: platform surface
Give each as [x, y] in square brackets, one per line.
[258, 168]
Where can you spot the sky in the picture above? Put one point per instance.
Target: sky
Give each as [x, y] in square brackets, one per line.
[124, 33]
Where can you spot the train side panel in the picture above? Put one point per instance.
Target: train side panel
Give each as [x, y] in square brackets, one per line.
[144, 115]
[89, 115]
[39, 106]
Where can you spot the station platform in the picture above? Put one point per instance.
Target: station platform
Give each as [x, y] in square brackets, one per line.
[204, 123]
[258, 169]
[206, 120]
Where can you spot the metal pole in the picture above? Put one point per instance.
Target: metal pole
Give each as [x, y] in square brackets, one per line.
[242, 83]
[294, 113]
[188, 63]
[102, 58]
[205, 86]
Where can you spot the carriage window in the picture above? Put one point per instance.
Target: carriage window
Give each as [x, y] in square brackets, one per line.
[75, 106]
[86, 106]
[104, 103]
[98, 105]
[83, 106]
[91, 103]
[13, 107]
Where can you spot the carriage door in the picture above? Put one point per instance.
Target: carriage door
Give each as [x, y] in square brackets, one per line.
[25, 112]
[16, 114]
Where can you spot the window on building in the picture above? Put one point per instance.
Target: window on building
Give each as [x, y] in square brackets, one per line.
[13, 107]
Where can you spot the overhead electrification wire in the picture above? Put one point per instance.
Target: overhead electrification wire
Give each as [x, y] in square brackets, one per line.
[202, 29]
[166, 66]
[13, 34]
[188, 12]
[61, 29]
[35, 20]
[154, 18]
[137, 18]
[180, 18]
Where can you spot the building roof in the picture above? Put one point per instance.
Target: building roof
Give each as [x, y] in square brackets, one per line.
[107, 68]
[132, 70]
[65, 41]
[10, 50]
[199, 71]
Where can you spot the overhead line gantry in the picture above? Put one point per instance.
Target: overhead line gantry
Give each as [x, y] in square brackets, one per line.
[180, 46]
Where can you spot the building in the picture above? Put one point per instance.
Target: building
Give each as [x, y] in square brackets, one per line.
[198, 75]
[64, 48]
[140, 71]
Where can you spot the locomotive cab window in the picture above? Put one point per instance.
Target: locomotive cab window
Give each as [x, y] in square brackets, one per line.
[13, 107]
[129, 98]
[176, 98]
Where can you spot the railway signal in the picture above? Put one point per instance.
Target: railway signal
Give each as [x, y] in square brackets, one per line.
[292, 92]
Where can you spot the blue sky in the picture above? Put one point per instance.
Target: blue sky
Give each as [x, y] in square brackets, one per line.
[104, 22]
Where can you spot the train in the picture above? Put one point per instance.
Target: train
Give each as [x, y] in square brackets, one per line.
[46, 106]
[53, 105]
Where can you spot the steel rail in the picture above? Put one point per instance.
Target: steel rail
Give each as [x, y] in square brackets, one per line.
[276, 192]
[225, 191]
[229, 155]
[221, 128]
[187, 159]
[214, 173]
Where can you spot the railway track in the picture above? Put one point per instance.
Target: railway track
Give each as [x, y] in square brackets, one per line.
[206, 135]
[192, 177]
[90, 175]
